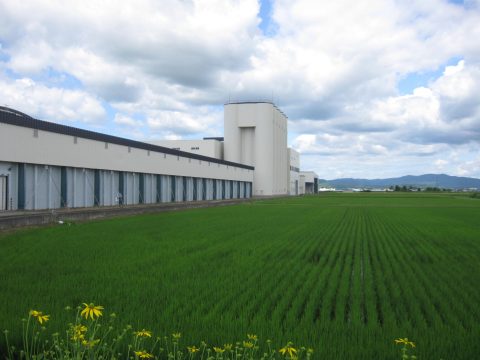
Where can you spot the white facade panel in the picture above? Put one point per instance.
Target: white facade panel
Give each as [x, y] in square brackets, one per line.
[166, 188]
[209, 189]
[3, 193]
[149, 191]
[293, 171]
[130, 190]
[190, 189]
[178, 188]
[108, 188]
[42, 187]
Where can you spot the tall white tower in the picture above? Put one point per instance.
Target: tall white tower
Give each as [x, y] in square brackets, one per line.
[256, 134]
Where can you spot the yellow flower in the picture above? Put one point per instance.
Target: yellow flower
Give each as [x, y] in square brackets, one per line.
[192, 349]
[39, 315]
[404, 341]
[288, 350]
[80, 328]
[91, 343]
[218, 350]
[78, 337]
[92, 311]
[143, 333]
[247, 344]
[227, 347]
[177, 335]
[252, 337]
[143, 354]
[78, 332]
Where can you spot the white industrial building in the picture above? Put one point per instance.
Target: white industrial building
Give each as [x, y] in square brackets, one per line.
[46, 166]
[308, 182]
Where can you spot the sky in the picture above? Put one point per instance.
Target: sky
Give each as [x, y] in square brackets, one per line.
[371, 88]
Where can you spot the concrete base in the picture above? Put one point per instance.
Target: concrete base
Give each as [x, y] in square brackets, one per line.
[17, 219]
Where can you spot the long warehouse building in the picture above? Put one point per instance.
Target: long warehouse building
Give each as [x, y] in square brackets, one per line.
[44, 165]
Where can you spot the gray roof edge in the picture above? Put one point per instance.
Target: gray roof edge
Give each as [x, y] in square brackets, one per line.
[256, 102]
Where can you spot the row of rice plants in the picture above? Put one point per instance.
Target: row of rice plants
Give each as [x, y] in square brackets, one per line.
[444, 284]
[428, 281]
[354, 309]
[317, 260]
[403, 275]
[419, 288]
[286, 300]
[438, 281]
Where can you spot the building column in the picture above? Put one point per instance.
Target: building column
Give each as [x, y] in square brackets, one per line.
[96, 187]
[141, 188]
[159, 188]
[63, 186]
[173, 188]
[21, 187]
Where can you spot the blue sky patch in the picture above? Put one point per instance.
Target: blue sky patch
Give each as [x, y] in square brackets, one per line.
[411, 81]
[267, 26]
[4, 57]
[58, 78]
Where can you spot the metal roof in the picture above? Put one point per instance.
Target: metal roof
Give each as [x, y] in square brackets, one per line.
[17, 118]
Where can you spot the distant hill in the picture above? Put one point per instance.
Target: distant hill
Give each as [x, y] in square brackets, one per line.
[427, 180]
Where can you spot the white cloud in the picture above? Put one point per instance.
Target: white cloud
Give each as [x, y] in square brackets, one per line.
[124, 120]
[440, 164]
[52, 104]
[184, 123]
[332, 66]
[469, 168]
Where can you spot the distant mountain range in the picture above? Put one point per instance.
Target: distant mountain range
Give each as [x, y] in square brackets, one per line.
[423, 181]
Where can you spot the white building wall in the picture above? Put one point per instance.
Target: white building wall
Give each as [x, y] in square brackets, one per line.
[18, 144]
[293, 172]
[301, 184]
[256, 135]
[207, 147]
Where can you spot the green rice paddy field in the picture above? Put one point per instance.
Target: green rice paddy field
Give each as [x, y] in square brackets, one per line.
[345, 274]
